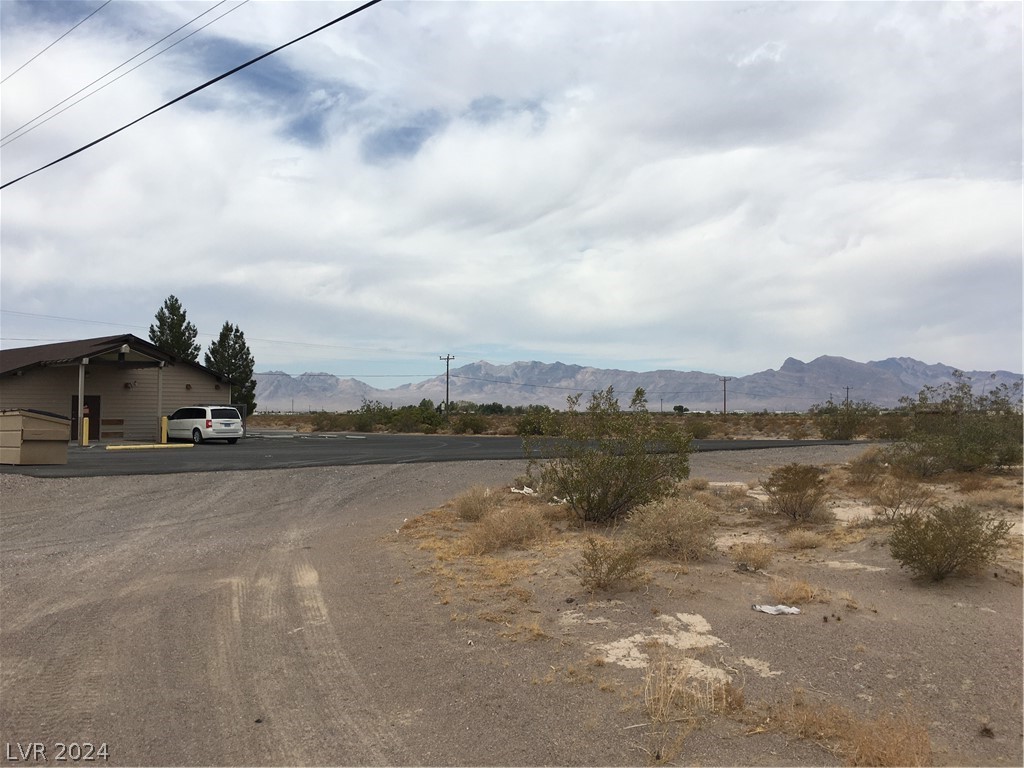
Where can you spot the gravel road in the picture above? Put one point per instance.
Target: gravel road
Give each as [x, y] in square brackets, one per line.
[272, 618]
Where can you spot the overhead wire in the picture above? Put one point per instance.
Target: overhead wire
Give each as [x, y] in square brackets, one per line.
[195, 90]
[76, 26]
[8, 138]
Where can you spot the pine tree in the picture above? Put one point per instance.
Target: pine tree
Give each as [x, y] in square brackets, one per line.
[230, 355]
[173, 333]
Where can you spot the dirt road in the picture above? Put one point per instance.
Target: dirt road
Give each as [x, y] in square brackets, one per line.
[270, 618]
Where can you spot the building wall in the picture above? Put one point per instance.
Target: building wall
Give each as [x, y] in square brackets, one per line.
[128, 412]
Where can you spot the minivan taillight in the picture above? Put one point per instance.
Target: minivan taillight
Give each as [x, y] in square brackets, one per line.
[209, 423]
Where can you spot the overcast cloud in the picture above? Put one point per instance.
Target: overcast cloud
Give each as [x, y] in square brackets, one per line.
[697, 186]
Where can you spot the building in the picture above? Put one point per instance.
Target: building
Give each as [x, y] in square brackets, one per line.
[124, 385]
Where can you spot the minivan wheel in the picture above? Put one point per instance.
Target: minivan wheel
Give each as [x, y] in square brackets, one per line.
[197, 436]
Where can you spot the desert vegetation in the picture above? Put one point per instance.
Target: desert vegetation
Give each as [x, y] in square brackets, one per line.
[680, 541]
[607, 461]
[946, 427]
[943, 541]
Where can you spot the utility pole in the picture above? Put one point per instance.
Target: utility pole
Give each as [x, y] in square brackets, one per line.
[447, 360]
[847, 397]
[724, 379]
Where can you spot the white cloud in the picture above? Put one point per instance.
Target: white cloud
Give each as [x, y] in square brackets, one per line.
[711, 186]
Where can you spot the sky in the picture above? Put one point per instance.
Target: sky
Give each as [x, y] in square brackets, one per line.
[693, 186]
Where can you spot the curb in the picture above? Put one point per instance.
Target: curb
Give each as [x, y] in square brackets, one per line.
[147, 447]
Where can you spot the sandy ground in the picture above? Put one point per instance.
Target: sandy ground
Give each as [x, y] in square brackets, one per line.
[288, 618]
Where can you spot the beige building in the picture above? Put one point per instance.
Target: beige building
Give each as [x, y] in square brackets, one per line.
[124, 385]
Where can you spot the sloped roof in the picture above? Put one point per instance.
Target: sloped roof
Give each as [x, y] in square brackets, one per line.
[65, 352]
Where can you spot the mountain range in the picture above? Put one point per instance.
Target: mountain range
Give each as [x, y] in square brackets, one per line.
[795, 386]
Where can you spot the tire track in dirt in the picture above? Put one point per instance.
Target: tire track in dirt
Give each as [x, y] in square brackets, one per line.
[276, 659]
[54, 697]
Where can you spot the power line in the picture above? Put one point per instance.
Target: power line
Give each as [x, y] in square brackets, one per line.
[140, 64]
[55, 42]
[195, 90]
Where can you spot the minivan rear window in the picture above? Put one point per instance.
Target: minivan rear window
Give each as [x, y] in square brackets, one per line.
[224, 413]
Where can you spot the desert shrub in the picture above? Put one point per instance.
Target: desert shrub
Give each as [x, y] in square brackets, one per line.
[947, 540]
[953, 428]
[673, 528]
[475, 503]
[605, 563]
[323, 421]
[469, 424]
[798, 430]
[797, 491]
[755, 555]
[406, 420]
[608, 461]
[372, 414]
[535, 420]
[514, 528]
[868, 467]
[842, 421]
[890, 425]
[699, 428]
[900, 495]
[801, 538]
[906, 459]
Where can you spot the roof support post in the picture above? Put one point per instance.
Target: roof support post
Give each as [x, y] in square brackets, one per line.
[159, 401]
[82, 437]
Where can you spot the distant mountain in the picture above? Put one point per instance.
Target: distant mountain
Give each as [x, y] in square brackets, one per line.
[796, 386]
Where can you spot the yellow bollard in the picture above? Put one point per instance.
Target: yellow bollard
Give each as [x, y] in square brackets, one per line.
[85, 431]
[163, 430]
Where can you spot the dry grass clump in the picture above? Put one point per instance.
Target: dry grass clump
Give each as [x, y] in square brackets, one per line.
[734, 495]
[891, 739]
[606, 563]
[677, 700]
[900, 495]
[801, 538]
[678, 529]
[507, 529]
[794, 592]
[996, 498]
[755, 555]
[694, 484]
[473, 504]
[672, 691]
[973, 482]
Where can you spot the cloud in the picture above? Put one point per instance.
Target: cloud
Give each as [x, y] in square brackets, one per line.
[630, 185]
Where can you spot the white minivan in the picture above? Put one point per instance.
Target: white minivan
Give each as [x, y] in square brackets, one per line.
[199, 423]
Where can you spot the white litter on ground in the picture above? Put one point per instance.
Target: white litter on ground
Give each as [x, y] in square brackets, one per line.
[776, 610]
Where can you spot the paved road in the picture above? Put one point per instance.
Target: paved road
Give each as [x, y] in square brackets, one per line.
[286, 450]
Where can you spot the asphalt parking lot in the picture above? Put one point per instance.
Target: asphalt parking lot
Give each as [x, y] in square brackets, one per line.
[289, 450]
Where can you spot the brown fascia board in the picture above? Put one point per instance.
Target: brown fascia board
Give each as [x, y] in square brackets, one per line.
[68, 352]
